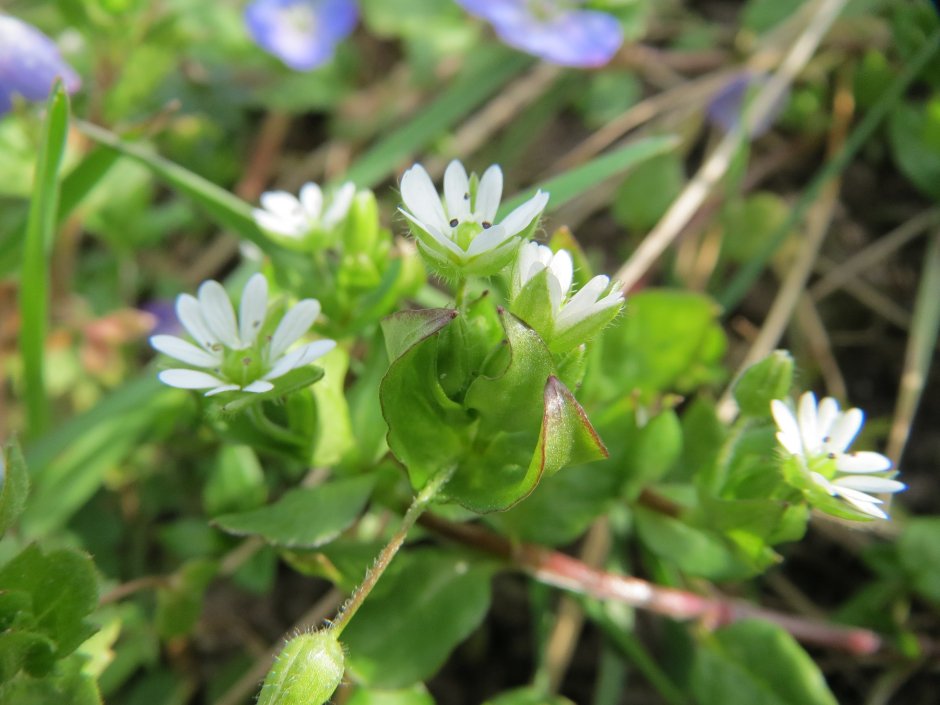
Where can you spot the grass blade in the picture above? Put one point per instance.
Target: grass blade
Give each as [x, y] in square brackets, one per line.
[37, 248]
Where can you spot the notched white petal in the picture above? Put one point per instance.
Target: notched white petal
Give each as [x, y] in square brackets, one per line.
[189, 379]
[253, 308]
[185, 351]
[218, 314]
[295, 323]
[863, 461]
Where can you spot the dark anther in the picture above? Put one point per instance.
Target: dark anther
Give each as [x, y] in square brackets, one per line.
[246, 361]
[454, 222]
[831, 456]
[487, 225]
[826, 439]
[466, 197]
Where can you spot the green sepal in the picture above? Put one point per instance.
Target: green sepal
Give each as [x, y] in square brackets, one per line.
[763, 382]
[585, 329]
[361, 230]
[533, 305]
[426, 429]
[306, 672]
[297, 379]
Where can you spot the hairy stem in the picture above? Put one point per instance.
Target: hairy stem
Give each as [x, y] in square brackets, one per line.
[382, 561]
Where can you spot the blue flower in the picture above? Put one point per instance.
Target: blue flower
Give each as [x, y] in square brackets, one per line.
[29, 64]
[727, 105]
[301, 33]
[552, 29]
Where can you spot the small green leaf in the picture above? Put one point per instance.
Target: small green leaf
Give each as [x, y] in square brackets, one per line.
[14, 485]
[650, 450]
[334, 435]
[303, 518]
[406, 329]
[763, 382]
[648, 190]
[917, 155]
[63, 589]
[426, 603]
[416, 695]
[756, 663]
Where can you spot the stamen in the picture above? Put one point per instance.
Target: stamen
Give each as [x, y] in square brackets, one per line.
[466, 197]
[831, 456]
[487, 224]
[246, 361]
[454, 223]
[826, 439]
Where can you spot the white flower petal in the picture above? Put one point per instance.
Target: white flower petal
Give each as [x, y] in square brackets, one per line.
[259, 386]
[276, 224]
[826, 415]
[281, 203]
[253, 308]
[436, 234]
[457, 191]
[526, 262]
[189, 313]
[223, 388]
[301, 356]
[521, 217]
[863, 461]
[189, 379]
[311, 198]
[866, 483]
[822, 482]
[869, 508]
[339, 204]
[295, 323]
[185, 351]
[580, 306]
[850, 494]
[487, 240]
[806, 417]
[789, 431]
[421, 198]
[844, 430]
[489, 193]
[562, 267]
[218, 314]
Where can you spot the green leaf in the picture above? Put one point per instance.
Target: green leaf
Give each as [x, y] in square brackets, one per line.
[750, 223]
[647, 192]
[235, 483]
[426, 603]
[650, 450]
[919, 554]
[756, 663]
[304, 518]
[14, 485]
[914, 134]
[763, 382]
[37, 249]
[406, 329]
[692, 550]
[667, 341]
[180, 604]
[63, 590]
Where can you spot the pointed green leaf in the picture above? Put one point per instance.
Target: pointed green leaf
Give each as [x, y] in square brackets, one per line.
[763, 382]
[405, 329]
[306, 517]
[756, 663]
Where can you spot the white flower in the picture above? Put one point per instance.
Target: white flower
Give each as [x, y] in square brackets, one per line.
[824, 433]
[566, 312]
[284, 214]
[236, 352]
[459, 232]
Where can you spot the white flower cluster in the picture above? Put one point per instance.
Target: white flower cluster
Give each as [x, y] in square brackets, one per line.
[236, 353]
[817, 434]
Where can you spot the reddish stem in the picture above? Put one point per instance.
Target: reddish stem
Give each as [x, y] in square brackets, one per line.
[563, 571]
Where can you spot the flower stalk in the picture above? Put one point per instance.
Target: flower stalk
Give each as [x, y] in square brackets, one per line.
[384, 559]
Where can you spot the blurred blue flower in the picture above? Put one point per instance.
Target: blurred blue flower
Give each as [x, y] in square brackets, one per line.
[727, 105]
[554, 30]
[301, 33]
[29, 64]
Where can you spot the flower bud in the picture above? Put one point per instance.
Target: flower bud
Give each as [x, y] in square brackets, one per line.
[306, 672]
[760, 384]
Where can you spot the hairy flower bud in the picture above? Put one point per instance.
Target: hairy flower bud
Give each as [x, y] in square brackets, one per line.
[306, 672]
